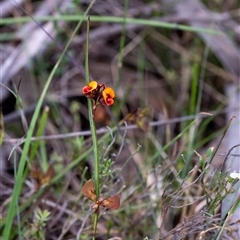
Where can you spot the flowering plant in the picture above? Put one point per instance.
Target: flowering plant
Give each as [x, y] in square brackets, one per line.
[99, 93]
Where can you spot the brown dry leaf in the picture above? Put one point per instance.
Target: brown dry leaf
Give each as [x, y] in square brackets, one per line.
[42, 178]
[141, 117]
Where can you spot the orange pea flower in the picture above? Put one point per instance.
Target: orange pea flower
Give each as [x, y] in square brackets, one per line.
[100, 94]
[91, 87]
[107, 96]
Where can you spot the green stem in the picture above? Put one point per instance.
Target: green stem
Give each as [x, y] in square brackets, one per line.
[111, 19]
[94, 134]
[230, 213]
[95, 222]
[92, 124]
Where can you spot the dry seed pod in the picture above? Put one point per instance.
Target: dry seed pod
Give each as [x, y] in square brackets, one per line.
[88, 190]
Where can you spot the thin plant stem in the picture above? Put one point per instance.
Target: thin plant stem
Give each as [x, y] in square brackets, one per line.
[94, 134]
[95, 222]
[112, 19]
[17, 207]
[230, 213]
[92, 124]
